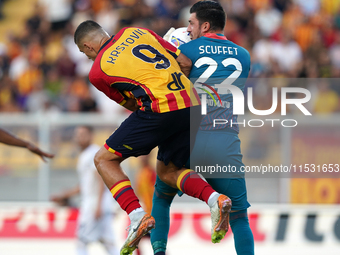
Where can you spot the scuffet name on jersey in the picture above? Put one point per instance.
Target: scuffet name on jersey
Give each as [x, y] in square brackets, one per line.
[210, 49]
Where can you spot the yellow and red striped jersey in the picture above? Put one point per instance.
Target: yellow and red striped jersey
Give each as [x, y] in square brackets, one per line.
[139, 61]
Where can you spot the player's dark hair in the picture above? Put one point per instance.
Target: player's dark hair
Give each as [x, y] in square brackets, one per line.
[84, 28]
[209, 11]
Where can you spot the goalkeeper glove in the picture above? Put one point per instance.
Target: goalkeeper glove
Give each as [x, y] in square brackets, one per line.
[166, 37]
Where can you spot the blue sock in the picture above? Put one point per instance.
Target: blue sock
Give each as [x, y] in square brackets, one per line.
[243, 237]
[162, 199]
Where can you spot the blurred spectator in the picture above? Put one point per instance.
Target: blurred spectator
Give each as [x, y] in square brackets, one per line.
[18, 65]
[328, 32]
[57, 13]
[309, 7]
[314, 49]
[263, 52]
[1, 12]
[305, 34]
[80, 97]
[65, 66]
[292, 17]
[53, 48]
[286, 38]
[256, 5]
[109, 16]
[168, 9]
[337, 19]
[8, 95]
[324, 64]
[268, 19]
[4, 60]
[327, 101]
[27, 82]
[287, 53]
[282, 5]
[233, 7]
[310, 69]
[95, 210]
[38, 99]
[145, 179]
[53, 83]
[330, 6]
[334, 52]
[37, 24]
[233, 31]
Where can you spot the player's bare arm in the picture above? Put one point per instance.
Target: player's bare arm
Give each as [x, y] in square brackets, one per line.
[131, 104]
[62, 198]
[9, 139]
[185, 64]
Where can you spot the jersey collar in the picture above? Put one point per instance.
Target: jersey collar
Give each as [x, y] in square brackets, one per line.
[216, 36]
[106, 43]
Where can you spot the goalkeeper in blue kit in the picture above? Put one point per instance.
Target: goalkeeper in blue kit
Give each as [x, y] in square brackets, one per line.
[216, 62]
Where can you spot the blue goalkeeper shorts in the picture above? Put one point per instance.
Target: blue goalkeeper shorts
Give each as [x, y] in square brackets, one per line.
[218, 148]
[221, 149]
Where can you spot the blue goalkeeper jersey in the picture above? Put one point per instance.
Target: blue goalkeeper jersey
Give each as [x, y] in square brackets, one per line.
[217, 61]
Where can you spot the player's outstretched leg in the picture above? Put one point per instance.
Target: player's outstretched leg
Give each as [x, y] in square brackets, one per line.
[108, 166]
[220, 218]
[141, 222]
[138, 229]
[243, 237]
[193, 185]
[162, 199]
[190, 183]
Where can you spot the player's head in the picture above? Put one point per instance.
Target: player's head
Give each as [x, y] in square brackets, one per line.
[89, 37]
[206, 17]
[83, 136]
